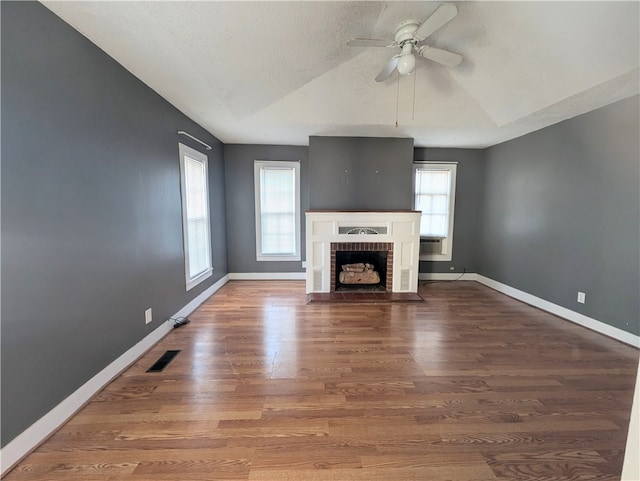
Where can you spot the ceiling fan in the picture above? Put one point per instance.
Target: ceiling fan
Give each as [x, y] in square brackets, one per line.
[408, 38]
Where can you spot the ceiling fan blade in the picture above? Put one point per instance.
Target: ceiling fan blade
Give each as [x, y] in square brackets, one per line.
[450, 59]
[370, 42]
[390, 67]
[443, 14]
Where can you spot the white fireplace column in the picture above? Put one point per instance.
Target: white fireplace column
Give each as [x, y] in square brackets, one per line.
[402, 228]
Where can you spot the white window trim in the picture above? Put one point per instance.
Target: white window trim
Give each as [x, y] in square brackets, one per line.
[446, 252]
[184, 150]
[257, 165]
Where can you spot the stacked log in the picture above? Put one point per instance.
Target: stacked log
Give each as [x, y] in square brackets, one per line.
[359, 273]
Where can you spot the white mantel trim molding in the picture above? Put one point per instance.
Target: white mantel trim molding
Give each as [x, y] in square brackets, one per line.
[401, 228]
[44, 427]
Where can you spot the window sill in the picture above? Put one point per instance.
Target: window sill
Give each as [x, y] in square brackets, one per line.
[435, 257]
[277, 258]
[191, 283]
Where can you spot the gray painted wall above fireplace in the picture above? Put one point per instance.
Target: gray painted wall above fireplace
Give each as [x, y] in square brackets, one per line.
[360, 173]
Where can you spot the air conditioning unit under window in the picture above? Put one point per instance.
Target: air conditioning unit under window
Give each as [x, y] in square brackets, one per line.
[430, 246]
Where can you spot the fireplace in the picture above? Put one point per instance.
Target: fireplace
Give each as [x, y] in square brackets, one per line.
[390, 240]
[377, 254]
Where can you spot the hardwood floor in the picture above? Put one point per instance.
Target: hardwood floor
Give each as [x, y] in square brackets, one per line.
[469, 385]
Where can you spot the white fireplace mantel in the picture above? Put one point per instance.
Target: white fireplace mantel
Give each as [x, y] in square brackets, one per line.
[402, 228]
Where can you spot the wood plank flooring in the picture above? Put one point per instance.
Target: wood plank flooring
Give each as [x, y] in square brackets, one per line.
[468, 385]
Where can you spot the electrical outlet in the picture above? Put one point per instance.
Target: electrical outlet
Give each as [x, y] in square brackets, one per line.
[581, 297]
[452, 268]
[147, 316]
[304, 264]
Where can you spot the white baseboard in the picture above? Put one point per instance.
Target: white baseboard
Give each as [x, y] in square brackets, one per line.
[204, 295]
[563, 312]
[447, 276]
[631, 464]
[30, 438]
[267, 276]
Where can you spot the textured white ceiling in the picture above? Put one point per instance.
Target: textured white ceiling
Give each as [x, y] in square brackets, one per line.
[278, 72]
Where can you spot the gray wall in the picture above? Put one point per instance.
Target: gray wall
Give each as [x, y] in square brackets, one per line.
[562, 214]
[241, 229]
[360, 173]
[91, 220]
[385, 163]
[469, 188]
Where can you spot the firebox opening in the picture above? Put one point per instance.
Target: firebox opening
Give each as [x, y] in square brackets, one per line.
[378, 259]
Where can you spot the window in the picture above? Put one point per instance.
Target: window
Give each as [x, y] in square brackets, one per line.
[277, 195]
[434, 191]
[195, 215]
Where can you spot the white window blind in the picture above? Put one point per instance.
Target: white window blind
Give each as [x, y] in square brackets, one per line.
[432, 197]
[277, 210]
[195, 215]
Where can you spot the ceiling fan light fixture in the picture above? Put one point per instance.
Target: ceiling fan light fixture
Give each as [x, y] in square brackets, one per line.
[406, 64]
[407, 61]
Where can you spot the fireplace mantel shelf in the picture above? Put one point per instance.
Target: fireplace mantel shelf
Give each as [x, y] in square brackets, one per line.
[382, 211]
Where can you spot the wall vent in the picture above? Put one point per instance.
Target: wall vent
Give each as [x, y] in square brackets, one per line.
[405, 279]
[317, 281]
[164, 360]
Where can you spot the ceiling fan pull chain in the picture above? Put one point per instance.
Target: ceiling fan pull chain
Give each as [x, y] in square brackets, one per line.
[397, 97]
[413, 111]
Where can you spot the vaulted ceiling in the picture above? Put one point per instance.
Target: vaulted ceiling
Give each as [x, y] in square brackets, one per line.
[278, 72]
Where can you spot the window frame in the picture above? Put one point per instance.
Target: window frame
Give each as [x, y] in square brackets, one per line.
[258, 165]
[185, 151]
[446, 252]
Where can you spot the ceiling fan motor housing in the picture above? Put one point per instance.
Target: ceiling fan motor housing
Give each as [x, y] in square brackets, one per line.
[405, 33]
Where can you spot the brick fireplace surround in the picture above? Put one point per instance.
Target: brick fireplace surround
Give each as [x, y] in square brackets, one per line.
[363, 247]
